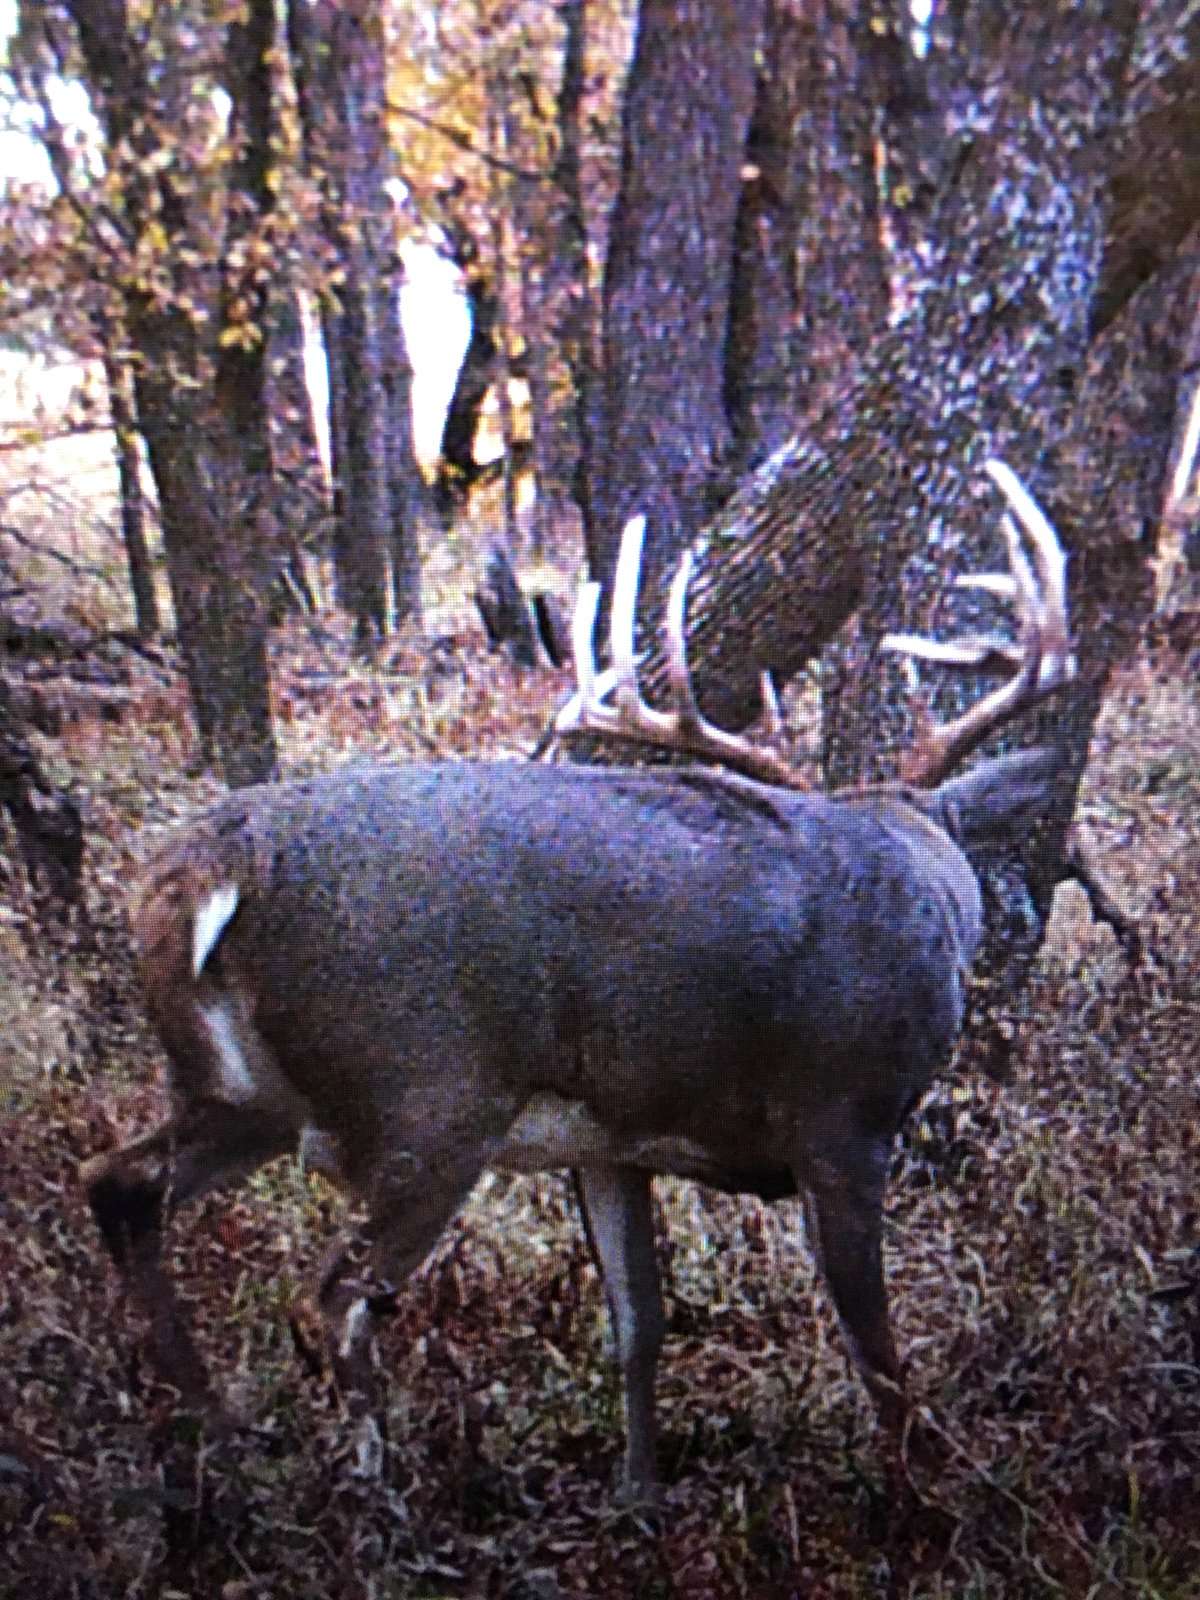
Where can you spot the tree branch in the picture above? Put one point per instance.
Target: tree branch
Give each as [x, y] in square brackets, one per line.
[464, 142]
[92, 213]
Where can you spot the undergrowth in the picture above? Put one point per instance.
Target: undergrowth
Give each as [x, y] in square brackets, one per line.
[1043, 1256]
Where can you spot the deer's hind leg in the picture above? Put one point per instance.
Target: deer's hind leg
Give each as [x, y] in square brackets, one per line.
[231, 1116]
[845, 1185]
[618, 1215]
[134, 1190]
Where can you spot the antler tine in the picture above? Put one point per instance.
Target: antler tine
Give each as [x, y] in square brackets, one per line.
[772, 711]
[624, 613]
[1041, 660]
[981, 652]
[583, 628]
[1049, 587]
[682, 727]
[683, 696]
[629, 716]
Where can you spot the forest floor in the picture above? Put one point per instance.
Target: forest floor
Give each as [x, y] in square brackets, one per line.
[1043, 1245]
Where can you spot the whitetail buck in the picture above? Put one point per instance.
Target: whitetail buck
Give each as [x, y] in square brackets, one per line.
[414, 973]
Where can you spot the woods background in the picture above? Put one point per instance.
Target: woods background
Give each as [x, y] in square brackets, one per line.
[781, 275]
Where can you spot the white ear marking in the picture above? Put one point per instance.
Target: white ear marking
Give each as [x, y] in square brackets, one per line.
[212, 918]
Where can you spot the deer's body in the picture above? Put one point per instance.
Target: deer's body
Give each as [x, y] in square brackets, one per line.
[414, 973]
[594, 963]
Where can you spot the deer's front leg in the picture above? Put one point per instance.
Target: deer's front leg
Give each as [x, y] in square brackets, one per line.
[618, 1215]
[411, 1203]
[347, 1299]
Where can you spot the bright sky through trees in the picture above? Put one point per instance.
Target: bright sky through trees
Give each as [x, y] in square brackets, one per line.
[434, 311]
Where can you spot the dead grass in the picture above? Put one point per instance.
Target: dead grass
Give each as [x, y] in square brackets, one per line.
[1044, 1263]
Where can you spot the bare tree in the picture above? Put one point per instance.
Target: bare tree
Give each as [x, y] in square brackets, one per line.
[339, 62]
[198, 375]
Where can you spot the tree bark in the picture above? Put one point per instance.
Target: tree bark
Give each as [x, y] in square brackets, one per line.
[299, 487]
[762, 383]
[147, 621]
[216, 579]
[810, 291]
[499, 240]
[576, 325]
[1155, 181]
[410, 509]
[360, 150]
[553, 293]
[201, 410]
[662, 438]
[457, 469]
[339, 62]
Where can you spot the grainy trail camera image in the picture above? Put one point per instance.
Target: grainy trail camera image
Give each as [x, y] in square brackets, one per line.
[598, 792]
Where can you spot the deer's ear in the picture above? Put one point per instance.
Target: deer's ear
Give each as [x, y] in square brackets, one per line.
[999, 800]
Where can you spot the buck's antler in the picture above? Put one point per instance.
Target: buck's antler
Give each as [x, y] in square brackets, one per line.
[627, 715]
[1040, 661]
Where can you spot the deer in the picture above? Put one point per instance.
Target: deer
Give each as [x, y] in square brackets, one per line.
[411, 974]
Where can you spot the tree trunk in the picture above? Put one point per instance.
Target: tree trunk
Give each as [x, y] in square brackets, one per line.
[810, 290]
[147, 621]
[662, 437]
[339, 64]
[216, 577]
[499, 244]
[834, 516]
[241, 434]
[299, 488]
[407, 486]
[545, 283]
[341, 540]
[1005, 293]
[553, 447]
[761, 377]
[457, 468]
[202, 415]
[568, 236]
[309, 55]
[366, 532]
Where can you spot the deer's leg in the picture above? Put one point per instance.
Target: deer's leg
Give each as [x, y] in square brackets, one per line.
[845, 1188]
[617, 1212]
[134, 1190]
[410, 1203]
